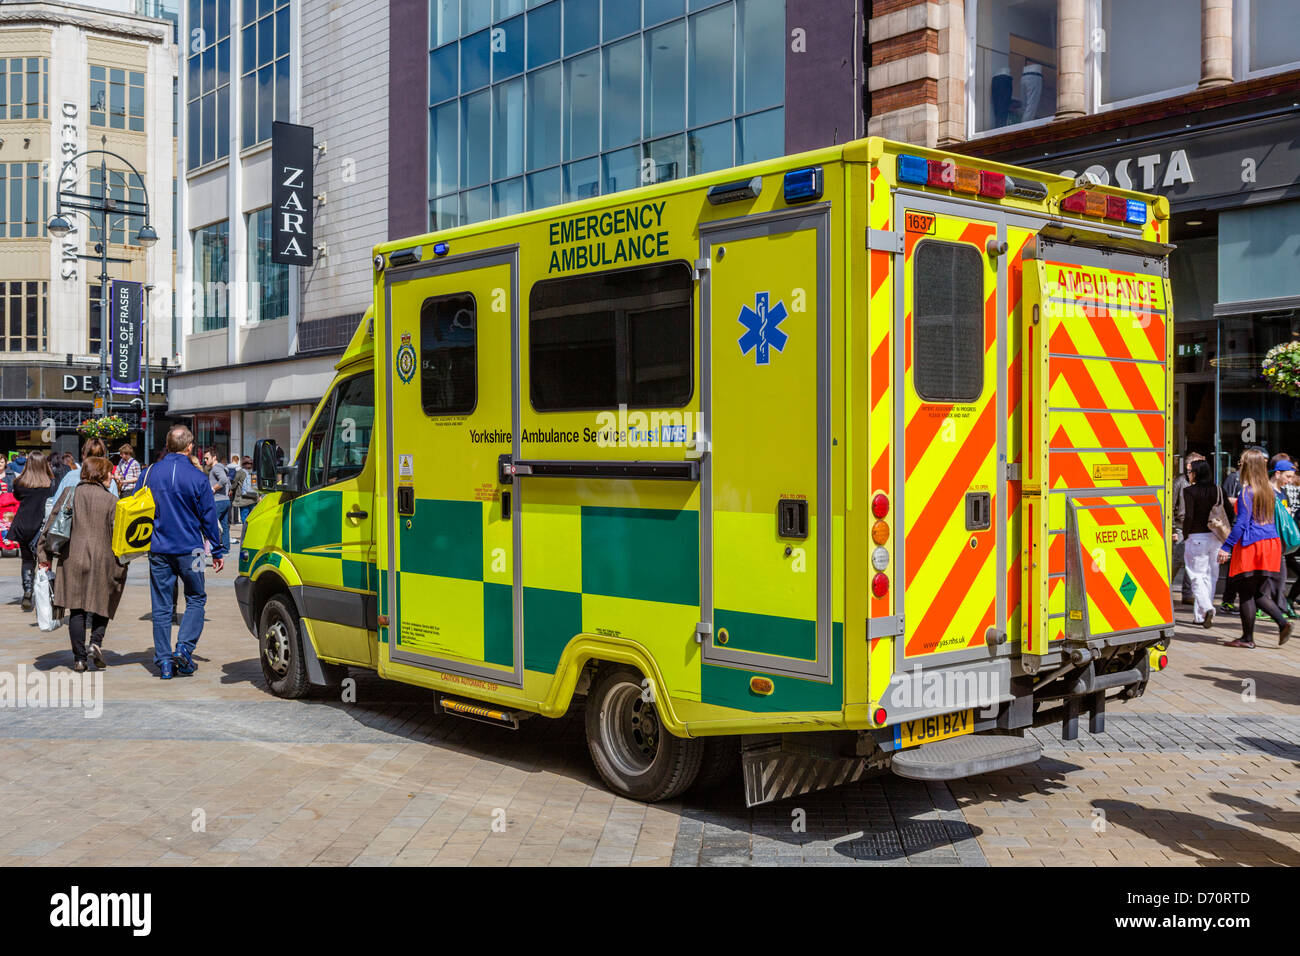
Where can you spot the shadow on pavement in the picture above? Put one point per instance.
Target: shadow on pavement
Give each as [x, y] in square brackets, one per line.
[1203, 838]
[1274, 686]
[1261, 814]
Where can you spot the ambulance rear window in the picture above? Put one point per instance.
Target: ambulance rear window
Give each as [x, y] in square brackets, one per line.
[948, 322]
[613, 338]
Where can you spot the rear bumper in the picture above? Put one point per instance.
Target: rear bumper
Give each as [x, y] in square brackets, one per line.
[244, 595]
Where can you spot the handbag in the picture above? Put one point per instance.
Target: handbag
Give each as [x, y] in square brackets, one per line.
[1286, 528]
[59, 530]
[1218, 520]
[133, 522]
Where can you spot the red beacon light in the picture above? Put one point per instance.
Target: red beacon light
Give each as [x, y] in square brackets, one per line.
[880, 505]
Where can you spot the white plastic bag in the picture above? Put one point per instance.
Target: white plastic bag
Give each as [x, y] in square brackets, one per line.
[43, 595]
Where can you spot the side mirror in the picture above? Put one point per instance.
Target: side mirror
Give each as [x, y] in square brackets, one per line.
[264, 465]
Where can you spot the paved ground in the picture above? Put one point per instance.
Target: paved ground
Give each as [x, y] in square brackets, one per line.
[1203, 771]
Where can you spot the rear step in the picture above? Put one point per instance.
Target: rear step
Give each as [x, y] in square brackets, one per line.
[483, 714]
[965, 757]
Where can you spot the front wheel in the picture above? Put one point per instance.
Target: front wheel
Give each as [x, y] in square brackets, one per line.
[279, 646]
[635, 756]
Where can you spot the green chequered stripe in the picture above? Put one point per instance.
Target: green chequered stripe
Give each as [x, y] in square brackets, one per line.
[498, 624]
[768, 634]
[271, 557]
[445, 539]
[551, 619]
[729, 686]
[312, 521]
[658, 554]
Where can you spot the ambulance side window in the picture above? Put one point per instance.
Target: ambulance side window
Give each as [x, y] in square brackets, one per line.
[602, 340]
[948, 321]
[354, 417]
[313, 464]
[449, 355]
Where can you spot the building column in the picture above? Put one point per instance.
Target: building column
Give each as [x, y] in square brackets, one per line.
[1071, 45]
[908, 59]
[1216, 42]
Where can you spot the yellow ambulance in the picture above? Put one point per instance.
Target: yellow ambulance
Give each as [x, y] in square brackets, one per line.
[842, 462]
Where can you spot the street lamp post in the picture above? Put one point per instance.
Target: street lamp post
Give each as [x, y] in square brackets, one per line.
[103, 205]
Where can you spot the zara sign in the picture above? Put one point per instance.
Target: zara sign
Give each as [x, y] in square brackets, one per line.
[292, 196]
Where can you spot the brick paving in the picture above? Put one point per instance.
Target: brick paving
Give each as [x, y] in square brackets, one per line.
[1204, 770]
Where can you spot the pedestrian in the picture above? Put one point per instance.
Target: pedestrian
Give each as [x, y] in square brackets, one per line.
[127, 472]
[185, 514]
[32, 488]
[1199, 497]
[245, 494]
[90, 578]
[220, 483]
[91, 448]
[1283, 475]
[1231, 488]
[1253, 551]
[58, 466]
[1180, 542]
[235, 472]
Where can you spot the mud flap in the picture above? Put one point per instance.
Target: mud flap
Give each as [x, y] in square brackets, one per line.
[777, 766]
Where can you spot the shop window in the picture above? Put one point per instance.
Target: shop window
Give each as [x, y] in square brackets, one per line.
[449, 355]
[1015, 62]
[948, 322]
[610, 339]
[1127, 67]
[212, 268]
[116, 98]
[269, 281]
[24, 316]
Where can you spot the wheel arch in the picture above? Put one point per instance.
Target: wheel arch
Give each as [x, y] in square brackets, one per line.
[587, 650]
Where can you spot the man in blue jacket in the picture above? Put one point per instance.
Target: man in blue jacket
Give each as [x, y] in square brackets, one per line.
[185, 515]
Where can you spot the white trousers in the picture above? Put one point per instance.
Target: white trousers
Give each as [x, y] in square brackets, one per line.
[1203, 570]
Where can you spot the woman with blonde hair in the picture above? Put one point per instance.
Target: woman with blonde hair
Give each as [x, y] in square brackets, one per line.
[1253, 551]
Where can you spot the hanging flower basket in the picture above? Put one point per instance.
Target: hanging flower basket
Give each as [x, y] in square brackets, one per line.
[108, 428]
[1282, 368]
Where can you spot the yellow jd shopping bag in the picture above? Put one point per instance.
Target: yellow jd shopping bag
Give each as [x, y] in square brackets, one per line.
[133, 524]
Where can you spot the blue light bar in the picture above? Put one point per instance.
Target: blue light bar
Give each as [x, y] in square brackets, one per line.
[913, 169]
[803, 185]
[441, 248]
[1136, 212]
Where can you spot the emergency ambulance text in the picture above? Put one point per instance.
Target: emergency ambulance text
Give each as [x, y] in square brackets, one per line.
[584, 241]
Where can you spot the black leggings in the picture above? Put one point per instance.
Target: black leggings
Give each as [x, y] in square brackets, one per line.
[78, 624]
[28, 565]
[1255, 588]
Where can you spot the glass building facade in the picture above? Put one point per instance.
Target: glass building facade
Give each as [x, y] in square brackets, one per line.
[537, 102]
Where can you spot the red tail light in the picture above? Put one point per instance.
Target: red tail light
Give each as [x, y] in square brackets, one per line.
[879, 717]
[1116, 208]
[880, 585]
[880, 506]
[1075, 202]
[993, 185]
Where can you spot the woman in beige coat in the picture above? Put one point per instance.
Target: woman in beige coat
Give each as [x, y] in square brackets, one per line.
[90, 579]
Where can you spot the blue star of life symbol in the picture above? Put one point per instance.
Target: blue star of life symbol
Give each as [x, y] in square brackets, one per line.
[762, 328]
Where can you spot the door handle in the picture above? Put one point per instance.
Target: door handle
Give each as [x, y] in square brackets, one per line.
[354, 513]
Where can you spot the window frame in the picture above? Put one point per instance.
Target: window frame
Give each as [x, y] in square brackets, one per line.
[691, 338]
[1092, 71]
[420, 356]
[916, 344]
[972, 85]
[331, 410]
[1241, 65]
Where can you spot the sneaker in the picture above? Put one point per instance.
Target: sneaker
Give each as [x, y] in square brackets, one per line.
[79, 667]
[1284, 634]
[97, 656]
[1261, 616]
[1209, 619]
[28, 603]
[1227, 608]
[165, 670]
[184, 664]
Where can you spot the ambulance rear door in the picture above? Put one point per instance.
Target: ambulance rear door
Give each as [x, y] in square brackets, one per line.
[1096, 442]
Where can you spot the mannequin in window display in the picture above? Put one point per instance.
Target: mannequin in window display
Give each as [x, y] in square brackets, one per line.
[1031, 89]
[1000, 90]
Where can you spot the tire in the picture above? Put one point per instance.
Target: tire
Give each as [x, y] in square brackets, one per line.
[279, 648]
[632, 752]
[721, 762]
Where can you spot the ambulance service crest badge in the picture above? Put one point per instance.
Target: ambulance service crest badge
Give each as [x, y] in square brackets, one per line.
[406, 359]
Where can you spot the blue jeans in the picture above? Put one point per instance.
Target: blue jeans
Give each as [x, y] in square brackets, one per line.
[223, 520]
[243, 513]
[164, 571]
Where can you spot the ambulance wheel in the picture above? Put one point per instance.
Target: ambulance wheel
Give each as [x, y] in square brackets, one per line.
[720, 762]
[633, 753]
[279, 646]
